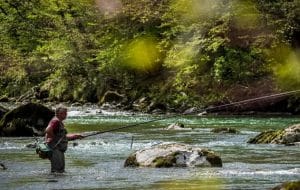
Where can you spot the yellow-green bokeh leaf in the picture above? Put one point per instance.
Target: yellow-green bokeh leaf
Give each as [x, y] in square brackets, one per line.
[142, 54]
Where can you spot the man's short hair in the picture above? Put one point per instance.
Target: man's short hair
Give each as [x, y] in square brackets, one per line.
[60, 109]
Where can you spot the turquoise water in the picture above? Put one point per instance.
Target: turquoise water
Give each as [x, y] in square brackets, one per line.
[97, 161]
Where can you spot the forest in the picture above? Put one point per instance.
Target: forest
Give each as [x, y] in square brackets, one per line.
[179, 53]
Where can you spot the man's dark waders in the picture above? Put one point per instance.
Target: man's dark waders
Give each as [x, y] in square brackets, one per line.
[59, 145]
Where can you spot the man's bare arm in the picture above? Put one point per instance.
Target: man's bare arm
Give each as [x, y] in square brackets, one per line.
[49, 134]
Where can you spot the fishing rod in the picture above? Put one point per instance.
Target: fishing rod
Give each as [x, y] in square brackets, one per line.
[133, 125]
[201, 111]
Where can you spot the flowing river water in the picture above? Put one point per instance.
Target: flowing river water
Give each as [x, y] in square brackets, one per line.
[97, 162]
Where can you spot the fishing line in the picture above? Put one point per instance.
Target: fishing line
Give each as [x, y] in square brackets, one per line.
[253, 100]
[201, 111]
[133, 125]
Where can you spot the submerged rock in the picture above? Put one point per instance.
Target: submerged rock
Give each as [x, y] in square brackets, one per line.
[293, 185]
[173, 155]
[30, 145]
[224, 130]
[3, 166]
[26, 120]
[177, 126]
[290, 135]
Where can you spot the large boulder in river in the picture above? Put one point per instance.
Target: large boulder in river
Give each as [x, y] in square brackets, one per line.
[173, 155]
[286, 136]
[26, 120]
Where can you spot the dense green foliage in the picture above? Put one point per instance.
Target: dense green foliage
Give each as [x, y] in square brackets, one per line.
[180, 52]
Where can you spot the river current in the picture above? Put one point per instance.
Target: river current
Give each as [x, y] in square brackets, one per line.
[97, 162]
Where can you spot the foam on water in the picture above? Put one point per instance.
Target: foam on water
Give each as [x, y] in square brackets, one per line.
[83, 112]
[11, 146]
[273, 172]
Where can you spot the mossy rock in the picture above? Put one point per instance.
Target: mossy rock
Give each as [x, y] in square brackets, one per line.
[213, 159]
[225, 130]
[164, 162]
[287, 136]
[26, 120]
[293, 185]
[167, 161]
[270, 136]
[173, 155]
[131, 161]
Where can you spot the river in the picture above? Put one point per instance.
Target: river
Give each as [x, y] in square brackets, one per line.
[96, 162]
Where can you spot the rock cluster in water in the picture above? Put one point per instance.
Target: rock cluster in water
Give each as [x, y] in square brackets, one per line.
[173, 155]
[290, 135]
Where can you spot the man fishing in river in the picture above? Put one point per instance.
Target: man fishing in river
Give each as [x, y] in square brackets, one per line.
[57, 139]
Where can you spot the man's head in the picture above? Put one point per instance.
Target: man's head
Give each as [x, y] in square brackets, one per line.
[61, 112]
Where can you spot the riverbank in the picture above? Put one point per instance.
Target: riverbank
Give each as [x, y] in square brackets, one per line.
[76, 109]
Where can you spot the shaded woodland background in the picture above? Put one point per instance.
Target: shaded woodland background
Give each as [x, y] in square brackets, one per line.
[180, 53]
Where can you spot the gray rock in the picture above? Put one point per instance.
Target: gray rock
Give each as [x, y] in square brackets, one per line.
[290, 135]
[177, 126]
[173, 155]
